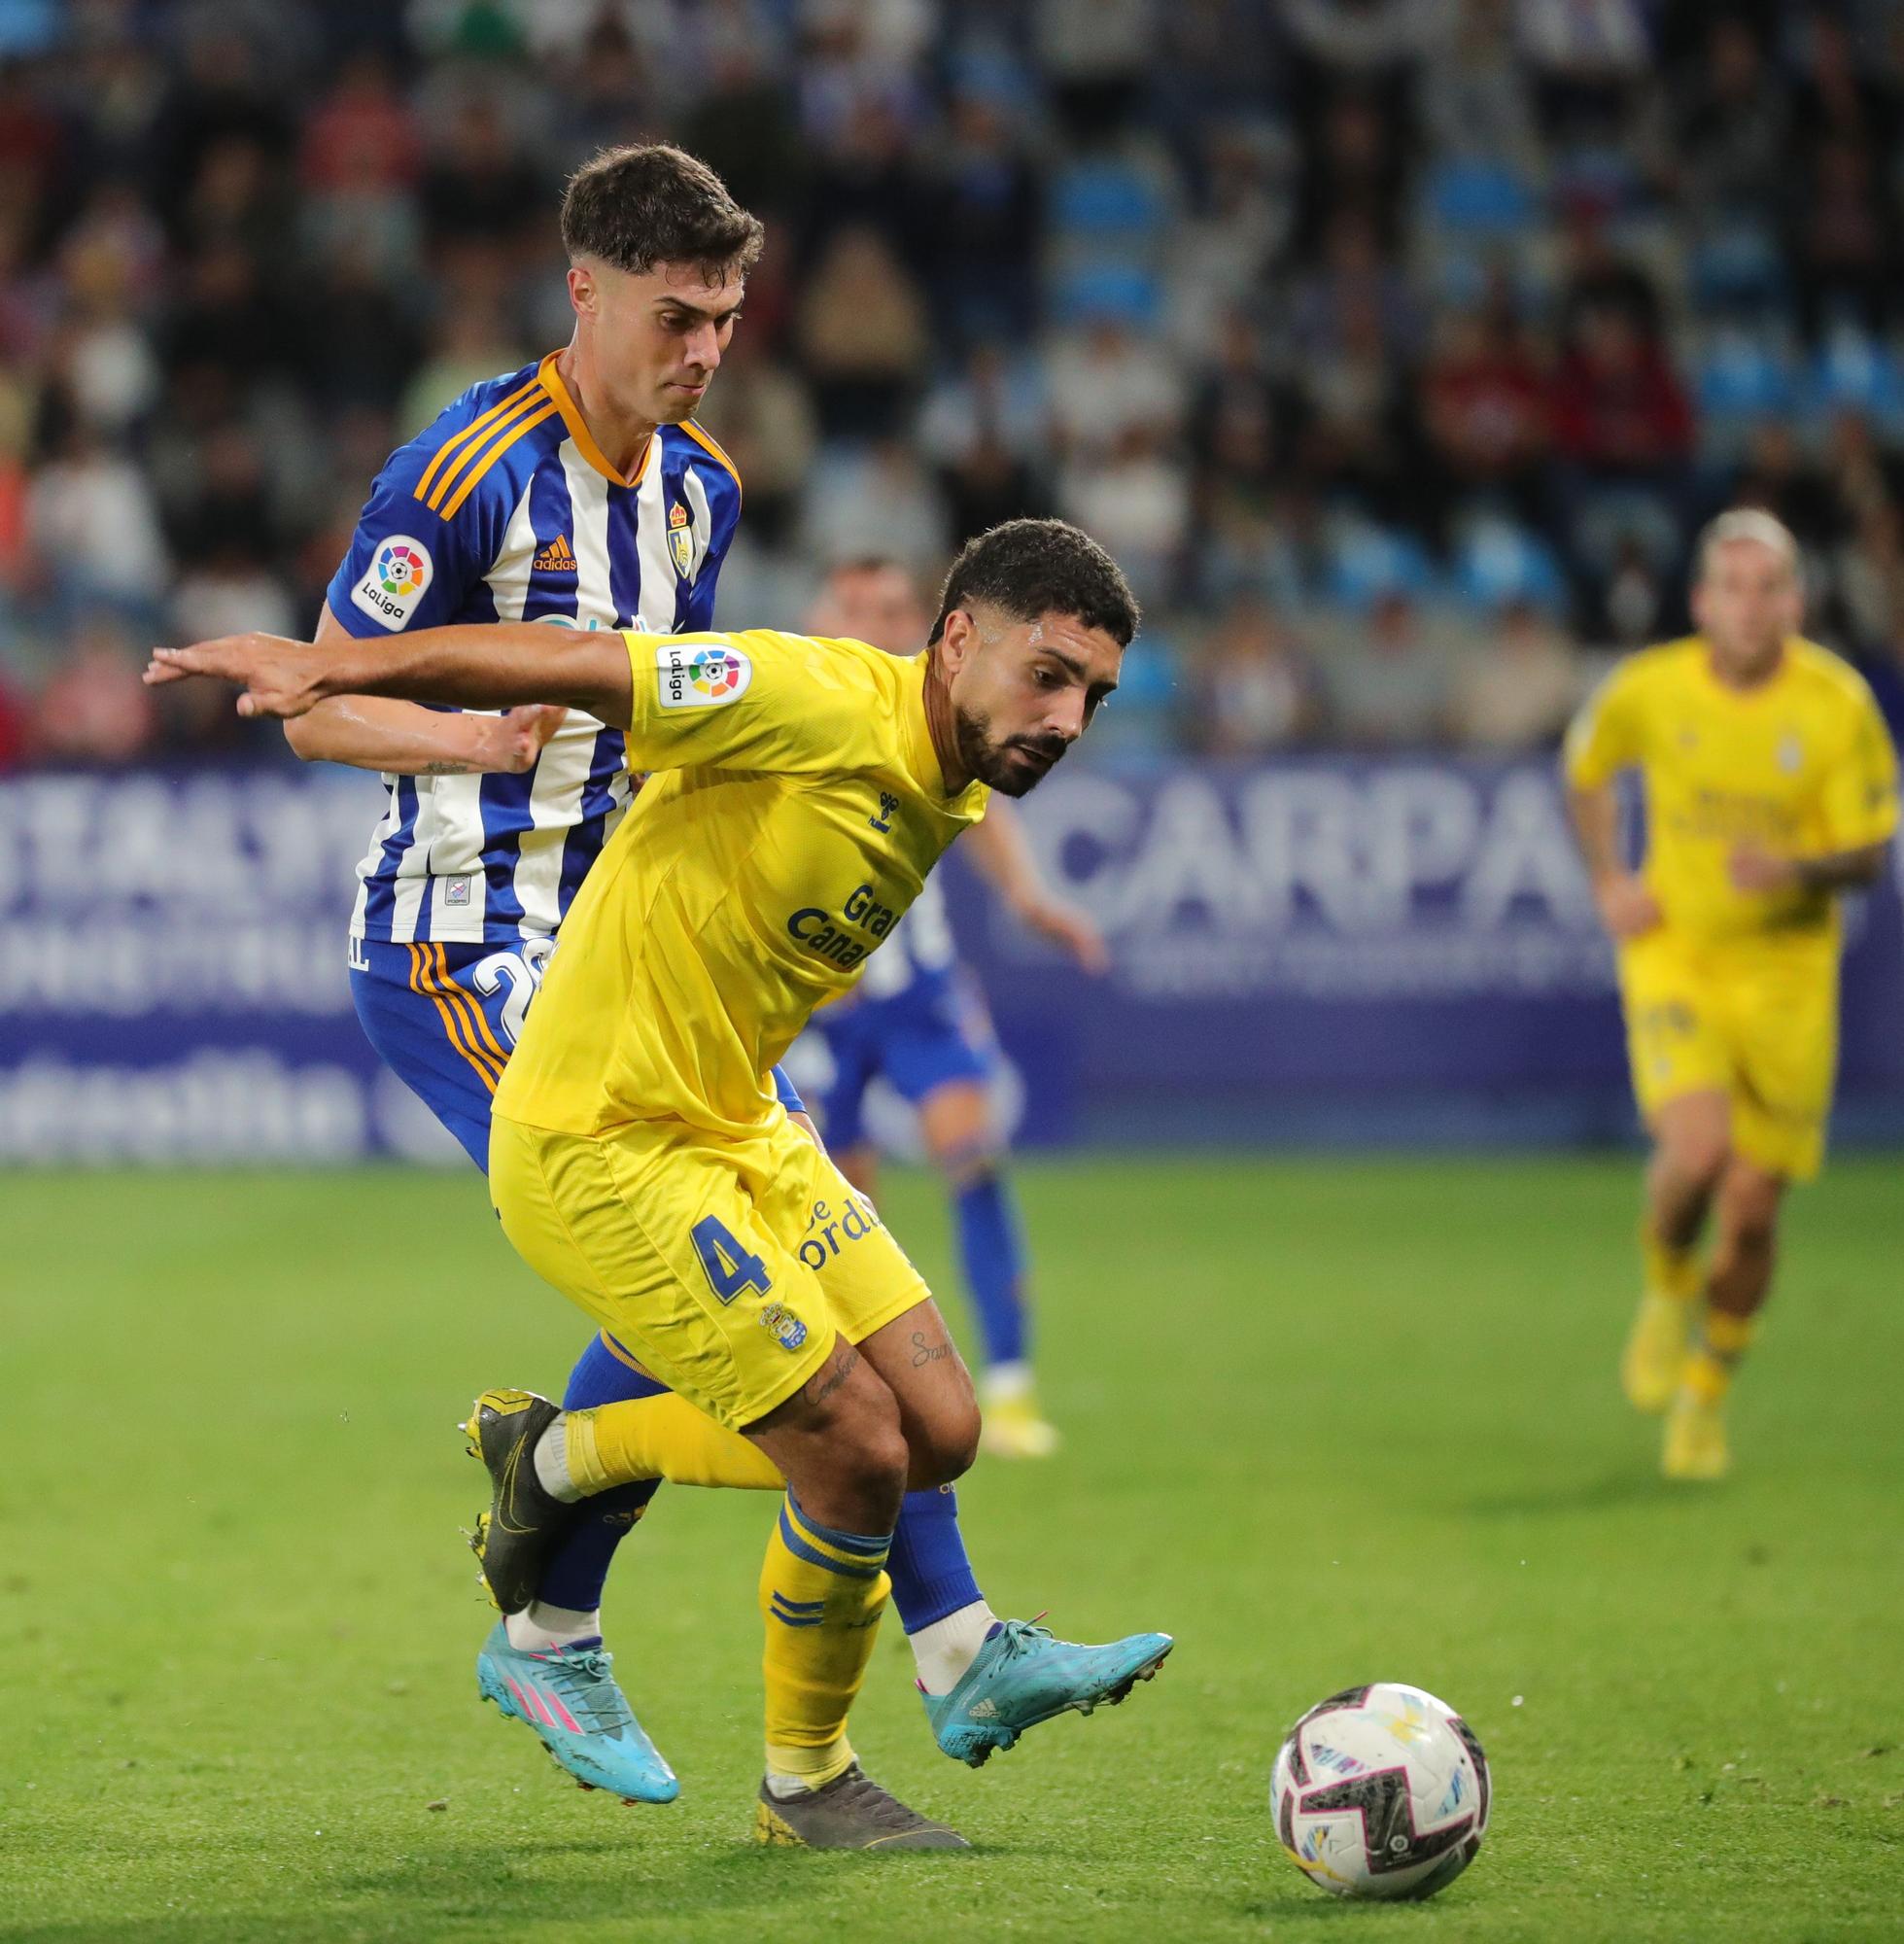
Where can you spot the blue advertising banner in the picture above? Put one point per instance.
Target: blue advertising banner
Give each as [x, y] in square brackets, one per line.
[1313, 950]
[1369, 950]
[172, 971]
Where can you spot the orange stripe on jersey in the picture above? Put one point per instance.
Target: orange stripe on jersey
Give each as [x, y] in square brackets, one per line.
[422, 982]
[478, 450]
[707, 445]
[576, 426]
[470, 433]
[495, 452]
[474, 1004]
[621, 1356]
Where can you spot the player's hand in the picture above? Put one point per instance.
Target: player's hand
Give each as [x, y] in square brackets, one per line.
[1755, 871]
[1627, 908]
[1070, 929]
[513, 739]
[279, 678]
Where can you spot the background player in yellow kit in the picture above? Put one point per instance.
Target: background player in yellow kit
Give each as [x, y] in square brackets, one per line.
[1771, 786]
[640, 1162]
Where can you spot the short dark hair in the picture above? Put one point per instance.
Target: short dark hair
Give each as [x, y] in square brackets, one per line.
[650, 203]
[1030, 568]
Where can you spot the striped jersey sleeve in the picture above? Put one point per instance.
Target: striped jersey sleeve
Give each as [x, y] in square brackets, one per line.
[426, 534]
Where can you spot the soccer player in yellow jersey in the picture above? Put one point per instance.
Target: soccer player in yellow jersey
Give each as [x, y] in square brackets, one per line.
[1771, 786]
[802, 789]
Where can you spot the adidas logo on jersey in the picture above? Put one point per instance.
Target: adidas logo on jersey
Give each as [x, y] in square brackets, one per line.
[556, 558]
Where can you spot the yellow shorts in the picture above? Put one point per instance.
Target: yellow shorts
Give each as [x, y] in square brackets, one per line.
[1758, 1024]
[726, 1268]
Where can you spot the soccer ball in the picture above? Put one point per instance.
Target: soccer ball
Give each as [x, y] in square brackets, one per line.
[1381, 1791]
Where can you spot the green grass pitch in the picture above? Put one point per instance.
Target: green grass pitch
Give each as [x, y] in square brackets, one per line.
[1326, 1422]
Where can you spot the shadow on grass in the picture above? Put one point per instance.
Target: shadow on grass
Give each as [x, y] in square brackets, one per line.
[488, 1891]
[1617, 1490]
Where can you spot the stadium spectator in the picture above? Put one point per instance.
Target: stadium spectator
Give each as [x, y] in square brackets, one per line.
[1485, 408]
[1388, 682]
[1256, 689]
[862, 326]
[1515, 689]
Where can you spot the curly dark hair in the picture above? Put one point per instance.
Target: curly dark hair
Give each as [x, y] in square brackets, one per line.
[640, 205]
[1030, 568]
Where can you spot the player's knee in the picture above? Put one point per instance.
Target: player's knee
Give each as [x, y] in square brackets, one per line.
[1752, 1209]
[966, 1167]
[1699, 1157]
[868, 1448]
[942, 1449]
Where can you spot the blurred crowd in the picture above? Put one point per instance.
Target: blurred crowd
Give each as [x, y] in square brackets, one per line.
[1398, 348]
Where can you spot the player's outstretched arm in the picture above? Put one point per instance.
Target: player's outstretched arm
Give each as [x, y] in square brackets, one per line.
[999, 850]
[486, 666]
[370, 732]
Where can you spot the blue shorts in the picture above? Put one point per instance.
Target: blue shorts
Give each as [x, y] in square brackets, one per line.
[444, 1019]
[919, 1040]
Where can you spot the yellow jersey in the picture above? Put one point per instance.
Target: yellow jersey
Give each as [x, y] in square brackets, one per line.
[795, 807]
[1801, 765]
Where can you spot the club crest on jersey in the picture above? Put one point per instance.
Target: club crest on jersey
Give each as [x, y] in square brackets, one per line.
[700, 675]
[681, 538]
[781, 1324]
[395, 584]
[1791, 754]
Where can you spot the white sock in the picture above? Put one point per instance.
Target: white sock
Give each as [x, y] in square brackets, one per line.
[1004, 1383]
[540, 1628]
[552, 1464]
[944, 1651]
[791, 1772]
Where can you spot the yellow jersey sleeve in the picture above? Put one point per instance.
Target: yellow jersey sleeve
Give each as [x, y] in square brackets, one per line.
[1860, 801]
[755, 700]
[1608, 734]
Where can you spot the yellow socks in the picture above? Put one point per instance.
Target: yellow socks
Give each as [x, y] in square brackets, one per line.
[1725, 1339]
[661, 1437]
[821, 1595]
[1669, 1271]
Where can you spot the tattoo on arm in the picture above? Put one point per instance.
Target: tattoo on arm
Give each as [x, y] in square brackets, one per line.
[446, 766]
[825, 1385]
[924, 1352]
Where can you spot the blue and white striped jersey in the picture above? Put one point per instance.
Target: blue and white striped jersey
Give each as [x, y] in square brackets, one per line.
[505, 510]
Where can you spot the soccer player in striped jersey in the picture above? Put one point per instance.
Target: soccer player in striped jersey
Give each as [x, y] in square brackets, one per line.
[576, 491]
[917, 1020]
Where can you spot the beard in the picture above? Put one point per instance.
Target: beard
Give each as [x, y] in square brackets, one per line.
[1012, 765]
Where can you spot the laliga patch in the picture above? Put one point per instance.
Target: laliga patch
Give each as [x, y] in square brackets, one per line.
[700, 675]
[399, 575]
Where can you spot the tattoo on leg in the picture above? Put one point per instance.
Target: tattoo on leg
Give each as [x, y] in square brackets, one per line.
[822, 1387]
[924, 1353]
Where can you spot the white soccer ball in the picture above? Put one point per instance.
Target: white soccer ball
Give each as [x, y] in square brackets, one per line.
[1381, 1791]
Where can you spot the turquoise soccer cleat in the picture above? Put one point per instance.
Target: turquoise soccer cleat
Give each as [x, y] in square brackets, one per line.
[1024, 1675]
[570, 1699]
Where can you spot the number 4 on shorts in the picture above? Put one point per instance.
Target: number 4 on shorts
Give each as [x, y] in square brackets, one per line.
[730, 1269]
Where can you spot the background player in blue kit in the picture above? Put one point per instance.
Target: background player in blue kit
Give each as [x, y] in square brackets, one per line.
[917, 1021]
[578, 491]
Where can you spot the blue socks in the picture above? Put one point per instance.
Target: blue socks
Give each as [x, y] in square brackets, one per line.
[578, 1568]
[992, 1251]
[931, 1576]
